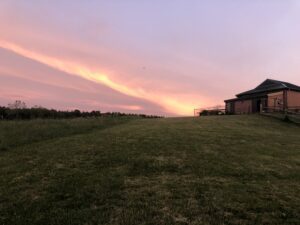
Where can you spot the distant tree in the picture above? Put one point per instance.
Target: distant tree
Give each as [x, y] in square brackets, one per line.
[19, 110]
[77, 113]
[3, 113]
[18, 104]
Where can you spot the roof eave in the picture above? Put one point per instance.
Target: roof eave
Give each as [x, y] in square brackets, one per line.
[231, 100]
[263, 91]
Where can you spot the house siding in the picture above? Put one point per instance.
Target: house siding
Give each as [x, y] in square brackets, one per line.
[243, 107]
[293, 99]
[275, 100]
[229, 107]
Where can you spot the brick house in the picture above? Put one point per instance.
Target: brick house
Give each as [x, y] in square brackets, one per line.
[271, 95]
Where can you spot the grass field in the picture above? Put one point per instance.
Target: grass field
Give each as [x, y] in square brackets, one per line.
[210, 170]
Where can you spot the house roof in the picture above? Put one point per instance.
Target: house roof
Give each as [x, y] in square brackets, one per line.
[270, 85]
[231, 100]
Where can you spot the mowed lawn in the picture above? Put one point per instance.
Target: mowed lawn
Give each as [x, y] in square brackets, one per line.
[209, 170]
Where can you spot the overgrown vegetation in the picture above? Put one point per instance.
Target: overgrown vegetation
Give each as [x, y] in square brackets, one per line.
[209, 170]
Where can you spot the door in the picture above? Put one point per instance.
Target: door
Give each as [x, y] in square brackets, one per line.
[258, 105]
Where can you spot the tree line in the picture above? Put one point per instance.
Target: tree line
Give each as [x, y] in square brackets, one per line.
[19, 111]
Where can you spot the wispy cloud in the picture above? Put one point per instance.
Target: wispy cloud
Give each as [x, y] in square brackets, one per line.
[195, 55]
[171, 105]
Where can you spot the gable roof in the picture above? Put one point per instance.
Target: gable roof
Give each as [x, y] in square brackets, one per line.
[270, 85]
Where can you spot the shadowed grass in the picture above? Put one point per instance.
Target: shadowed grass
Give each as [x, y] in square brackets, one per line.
[14, 133]
[212, 170]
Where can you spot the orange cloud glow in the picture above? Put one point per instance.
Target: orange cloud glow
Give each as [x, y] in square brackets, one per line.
[170, 103]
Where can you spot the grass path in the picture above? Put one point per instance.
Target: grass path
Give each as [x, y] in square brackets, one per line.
[213, 170]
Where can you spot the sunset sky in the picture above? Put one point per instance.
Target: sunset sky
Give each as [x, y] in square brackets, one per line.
[156, 57]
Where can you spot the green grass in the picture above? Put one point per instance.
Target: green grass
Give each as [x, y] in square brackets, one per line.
[210, 170]
[15, 133]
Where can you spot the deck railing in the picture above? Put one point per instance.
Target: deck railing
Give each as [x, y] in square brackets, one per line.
[289, 114]
[289, 110]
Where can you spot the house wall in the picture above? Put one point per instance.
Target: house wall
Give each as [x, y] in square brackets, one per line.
[293, 99]
[243, 107]
[229, 107]
[275, 100]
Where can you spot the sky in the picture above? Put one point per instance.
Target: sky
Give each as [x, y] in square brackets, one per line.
[139, 56]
